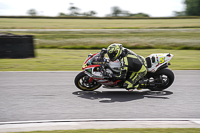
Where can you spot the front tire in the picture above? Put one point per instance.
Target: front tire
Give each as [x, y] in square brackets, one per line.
[162, 79]
[82, 82]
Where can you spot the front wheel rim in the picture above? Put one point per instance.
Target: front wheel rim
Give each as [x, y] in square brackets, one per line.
[84, 84]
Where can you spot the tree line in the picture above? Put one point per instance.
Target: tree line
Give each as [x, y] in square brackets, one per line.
[192, 9]
[75, 11]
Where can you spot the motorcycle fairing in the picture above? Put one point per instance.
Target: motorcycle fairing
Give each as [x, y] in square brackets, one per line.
[91, 70]
[158, 60]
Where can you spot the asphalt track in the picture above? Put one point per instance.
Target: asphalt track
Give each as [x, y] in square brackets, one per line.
[53, 97]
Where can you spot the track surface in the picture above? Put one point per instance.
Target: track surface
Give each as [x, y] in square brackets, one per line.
[29, 96]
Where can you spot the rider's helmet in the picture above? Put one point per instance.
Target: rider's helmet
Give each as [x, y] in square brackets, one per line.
[114, 51]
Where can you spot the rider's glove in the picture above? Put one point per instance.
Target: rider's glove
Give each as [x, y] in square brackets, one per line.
[103, 52]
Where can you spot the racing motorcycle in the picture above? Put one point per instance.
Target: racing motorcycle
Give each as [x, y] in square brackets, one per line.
[158, 77]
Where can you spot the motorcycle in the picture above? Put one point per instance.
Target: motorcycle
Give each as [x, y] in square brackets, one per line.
[158, 77]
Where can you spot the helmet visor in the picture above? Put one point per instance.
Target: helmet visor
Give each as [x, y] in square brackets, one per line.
[112, 56]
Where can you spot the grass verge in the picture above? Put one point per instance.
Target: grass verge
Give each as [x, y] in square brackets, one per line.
[27, 23]
[72, 60]
[135, 39]
[126, 130]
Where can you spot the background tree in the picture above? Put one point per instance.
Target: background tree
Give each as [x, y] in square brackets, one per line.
[176, 13]
[92, 13]
[192, 7]
[116, 11]
[61, 14]
[74, 10]
[125, 13]
[32, 12]
[141, 15]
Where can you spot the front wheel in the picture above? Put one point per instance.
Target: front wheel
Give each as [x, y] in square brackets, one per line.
[161, 80]
[82, 82]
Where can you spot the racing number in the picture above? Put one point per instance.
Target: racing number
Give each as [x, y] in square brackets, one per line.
[162, 59]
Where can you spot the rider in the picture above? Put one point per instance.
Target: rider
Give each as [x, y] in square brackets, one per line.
[133, 66]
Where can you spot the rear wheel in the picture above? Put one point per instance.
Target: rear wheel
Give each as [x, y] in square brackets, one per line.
[161, 80]
[82, 82]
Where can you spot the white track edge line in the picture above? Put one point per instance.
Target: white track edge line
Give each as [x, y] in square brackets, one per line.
[195, 120]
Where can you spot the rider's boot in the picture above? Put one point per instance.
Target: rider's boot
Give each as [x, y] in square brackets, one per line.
[128, 87]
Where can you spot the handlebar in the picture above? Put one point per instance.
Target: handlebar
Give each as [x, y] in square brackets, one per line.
[103, 52]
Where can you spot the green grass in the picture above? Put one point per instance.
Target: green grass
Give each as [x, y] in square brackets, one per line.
[68, 60]
[126, 130]
[27, 23]
[149, 40]
[137, 39]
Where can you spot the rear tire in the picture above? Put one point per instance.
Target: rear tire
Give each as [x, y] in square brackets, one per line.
[82, 82]
[167, 77]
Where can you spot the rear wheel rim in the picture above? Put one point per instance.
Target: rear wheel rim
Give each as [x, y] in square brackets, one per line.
[160, 82]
